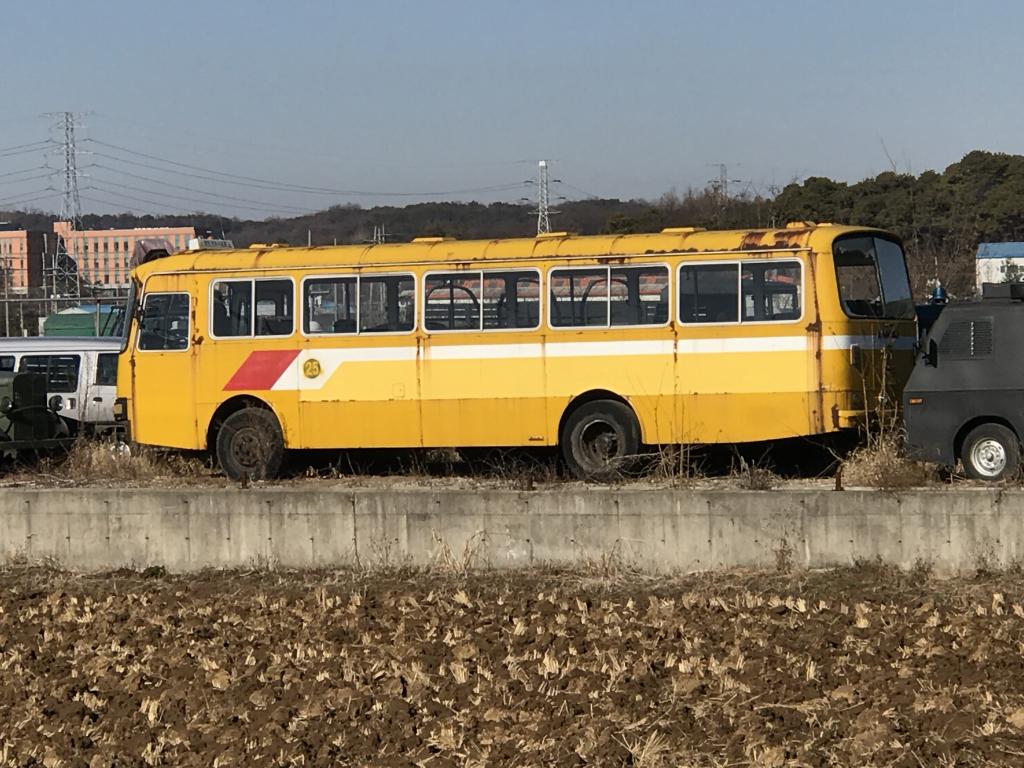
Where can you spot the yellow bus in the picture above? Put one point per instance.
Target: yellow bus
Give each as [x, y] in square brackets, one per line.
[598, 344]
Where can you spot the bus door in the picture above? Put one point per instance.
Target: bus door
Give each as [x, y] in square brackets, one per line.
[101, 388]
[163, 370]
[482, 361]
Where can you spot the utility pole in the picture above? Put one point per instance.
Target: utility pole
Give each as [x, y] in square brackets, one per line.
[379, 235]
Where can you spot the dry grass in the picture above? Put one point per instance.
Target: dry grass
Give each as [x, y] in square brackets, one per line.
[881, 464]
[91, 461]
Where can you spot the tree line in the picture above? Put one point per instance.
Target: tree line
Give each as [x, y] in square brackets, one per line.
[941, 217]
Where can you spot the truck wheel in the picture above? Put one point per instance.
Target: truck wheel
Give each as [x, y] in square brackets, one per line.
[250, 444]
[990, 452]
[598, 437]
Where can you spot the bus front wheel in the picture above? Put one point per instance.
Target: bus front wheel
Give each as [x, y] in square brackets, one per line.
[598, 439]
[250, 445]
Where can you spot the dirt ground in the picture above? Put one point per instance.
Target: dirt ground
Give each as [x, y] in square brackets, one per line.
[865, 666]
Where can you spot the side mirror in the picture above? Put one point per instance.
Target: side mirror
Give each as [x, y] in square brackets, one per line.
[931, 357]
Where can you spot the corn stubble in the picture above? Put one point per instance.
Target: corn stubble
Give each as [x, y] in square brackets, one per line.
[866, 666]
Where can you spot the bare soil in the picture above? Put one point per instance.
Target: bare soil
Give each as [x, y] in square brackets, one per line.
[864, 666]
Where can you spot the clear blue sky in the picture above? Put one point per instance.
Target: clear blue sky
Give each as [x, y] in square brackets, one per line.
[626, 99]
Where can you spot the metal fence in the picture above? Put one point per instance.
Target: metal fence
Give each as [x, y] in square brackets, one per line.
[85, 316]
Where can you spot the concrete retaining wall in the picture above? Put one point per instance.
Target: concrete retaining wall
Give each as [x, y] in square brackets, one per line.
[189, 529]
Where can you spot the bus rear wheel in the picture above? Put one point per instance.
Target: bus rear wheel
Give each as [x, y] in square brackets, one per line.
[598, 438]
[250, 445]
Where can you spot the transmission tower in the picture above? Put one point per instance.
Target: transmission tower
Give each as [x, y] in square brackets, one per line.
[721, 184]
[63, 274]
[544, 211]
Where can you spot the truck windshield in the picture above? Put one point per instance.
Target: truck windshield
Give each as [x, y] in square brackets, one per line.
[872, 277]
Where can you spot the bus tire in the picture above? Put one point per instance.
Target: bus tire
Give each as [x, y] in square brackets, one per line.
[250, 445]
[990, 452]
[598, 439]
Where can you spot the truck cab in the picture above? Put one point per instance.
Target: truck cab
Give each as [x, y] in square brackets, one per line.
[965, 397]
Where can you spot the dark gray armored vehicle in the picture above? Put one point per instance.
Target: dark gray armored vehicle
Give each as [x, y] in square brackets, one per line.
[965, 397]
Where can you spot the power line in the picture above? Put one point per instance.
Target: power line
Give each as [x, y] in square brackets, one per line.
[227, 198]
[170, 196]
[29, 178]
[112, 204]
[213, 175]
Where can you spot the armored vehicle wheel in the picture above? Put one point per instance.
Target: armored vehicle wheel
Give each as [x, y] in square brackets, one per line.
[990, 452]
[250, 444]
[598, 437]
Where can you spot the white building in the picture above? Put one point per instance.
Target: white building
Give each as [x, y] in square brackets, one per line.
[999, 263]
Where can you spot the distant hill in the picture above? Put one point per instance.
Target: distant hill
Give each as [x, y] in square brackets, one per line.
[940, 216]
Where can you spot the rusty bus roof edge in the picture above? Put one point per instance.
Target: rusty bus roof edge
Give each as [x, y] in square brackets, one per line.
[706, 242]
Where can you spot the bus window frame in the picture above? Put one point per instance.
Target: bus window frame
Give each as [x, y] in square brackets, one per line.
[739, 288]
[483, 276]
[252, 335]
[608, 315]
[142, 314]
[358, 278]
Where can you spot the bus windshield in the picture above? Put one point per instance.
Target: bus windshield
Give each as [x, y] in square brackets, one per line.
[872, 277]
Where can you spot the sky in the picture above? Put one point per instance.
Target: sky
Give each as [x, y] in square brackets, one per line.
[255, 108]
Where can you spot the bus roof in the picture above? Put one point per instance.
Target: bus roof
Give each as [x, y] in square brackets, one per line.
[58, 344]
[446, 250]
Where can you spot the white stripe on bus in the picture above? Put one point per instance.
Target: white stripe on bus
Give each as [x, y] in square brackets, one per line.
[331, 358]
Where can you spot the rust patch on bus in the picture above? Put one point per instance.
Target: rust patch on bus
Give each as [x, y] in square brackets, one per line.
[751, 241]
[814, 328]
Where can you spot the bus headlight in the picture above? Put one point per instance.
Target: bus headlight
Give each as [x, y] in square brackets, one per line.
[56, 403]
[6, 404]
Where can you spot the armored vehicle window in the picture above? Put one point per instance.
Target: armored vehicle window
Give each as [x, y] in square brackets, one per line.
[61, 371]
[165, 323]
[965, 339]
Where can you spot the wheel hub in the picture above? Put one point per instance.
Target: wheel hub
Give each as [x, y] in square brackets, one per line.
[989, 457]
[248, 448]
[601, 443]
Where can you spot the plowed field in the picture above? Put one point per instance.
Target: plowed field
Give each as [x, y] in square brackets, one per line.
[866, 666]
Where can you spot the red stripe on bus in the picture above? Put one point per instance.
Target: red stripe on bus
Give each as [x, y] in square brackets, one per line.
[261, 369]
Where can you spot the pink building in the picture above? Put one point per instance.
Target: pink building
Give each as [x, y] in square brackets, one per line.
[21, 261]
[102, 255]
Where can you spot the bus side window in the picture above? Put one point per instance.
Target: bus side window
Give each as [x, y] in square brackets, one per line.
[579, 297]
[330, 304]
[709, 293]
[387, 303]
[6, 362]
[771, 291]
[451, 302]
[231, 310]
[639, 295]
[106, 369]
[275, 315]
[61, 371]
[511, 299]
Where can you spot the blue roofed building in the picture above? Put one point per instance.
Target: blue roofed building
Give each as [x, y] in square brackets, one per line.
[999, 263]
